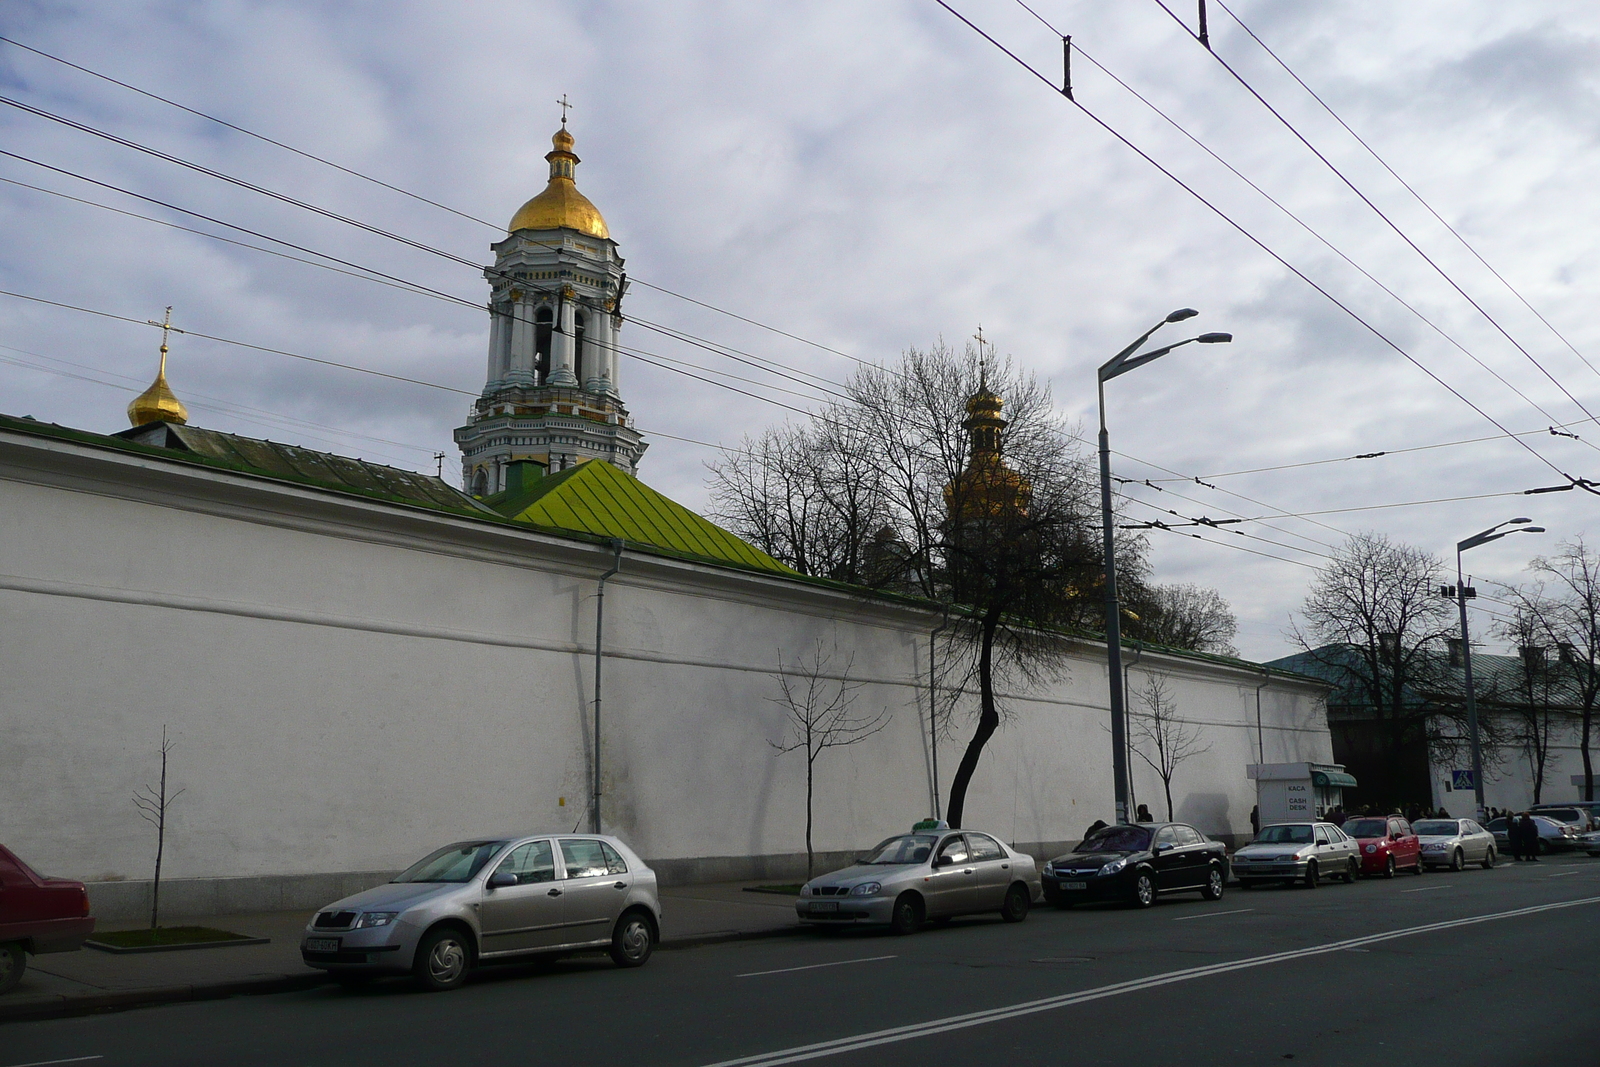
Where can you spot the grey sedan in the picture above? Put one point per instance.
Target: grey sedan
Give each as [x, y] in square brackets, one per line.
[932, 874]
[491, 898]
[1297, 851]
[1454, 843]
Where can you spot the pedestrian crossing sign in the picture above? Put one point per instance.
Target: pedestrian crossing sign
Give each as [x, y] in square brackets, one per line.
[1461, 779]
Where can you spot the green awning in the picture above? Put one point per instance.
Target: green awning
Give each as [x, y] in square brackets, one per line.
[1324, 779]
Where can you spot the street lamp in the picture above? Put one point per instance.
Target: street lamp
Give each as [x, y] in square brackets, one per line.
[1460, 594]
[1122, 363]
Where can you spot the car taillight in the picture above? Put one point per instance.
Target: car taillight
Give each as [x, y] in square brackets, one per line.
[84, 903]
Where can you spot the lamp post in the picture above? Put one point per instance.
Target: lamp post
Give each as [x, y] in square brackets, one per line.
[1460, 594]
[1122, 363]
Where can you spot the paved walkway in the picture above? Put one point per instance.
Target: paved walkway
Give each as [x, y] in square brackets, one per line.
[74, 983]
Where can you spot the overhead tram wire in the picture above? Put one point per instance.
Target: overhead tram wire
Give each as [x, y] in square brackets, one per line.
[1382, 215]
[1253, 239]
[1408, 187]
[1307, 227]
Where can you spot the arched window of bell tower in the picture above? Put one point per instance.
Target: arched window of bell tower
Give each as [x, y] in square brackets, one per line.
[480, 483]
[543, 325]
[580, 350]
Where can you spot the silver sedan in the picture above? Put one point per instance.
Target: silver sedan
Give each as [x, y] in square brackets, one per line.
[491, 898]
[922, 875]
[1454, 843]
[1297, 851]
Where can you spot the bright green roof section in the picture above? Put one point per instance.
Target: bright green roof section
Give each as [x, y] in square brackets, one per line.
[597, 498]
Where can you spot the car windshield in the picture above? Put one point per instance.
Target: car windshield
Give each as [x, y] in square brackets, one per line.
[907, 848]
[1436, 828]
[453, 863]
[1299, 834]
[1365, 828]
[1117, 839]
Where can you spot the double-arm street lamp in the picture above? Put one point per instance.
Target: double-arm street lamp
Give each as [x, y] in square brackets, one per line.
[1122, 363]
[1460, 593]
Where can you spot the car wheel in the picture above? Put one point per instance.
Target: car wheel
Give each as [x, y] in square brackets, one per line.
[1488, 859]
[1144, 890]
[1015, 908]
[1457, 860]
[633, 939]
[1312, 875]
[13, 961]
[1388, 868]
[907, 914]
[444, 956]
[1353, 868]
[1215, 884]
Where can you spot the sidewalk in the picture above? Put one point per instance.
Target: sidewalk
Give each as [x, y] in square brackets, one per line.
[89, 981]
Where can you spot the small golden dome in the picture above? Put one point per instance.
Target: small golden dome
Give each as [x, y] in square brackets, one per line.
[157, 403]
[561, 206]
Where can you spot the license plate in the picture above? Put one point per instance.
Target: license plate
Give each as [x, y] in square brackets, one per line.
[322, 944]
[824, 905]
[1074, 885]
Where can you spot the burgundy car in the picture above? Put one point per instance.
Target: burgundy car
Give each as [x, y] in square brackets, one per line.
[1387, 845]
[37, 914]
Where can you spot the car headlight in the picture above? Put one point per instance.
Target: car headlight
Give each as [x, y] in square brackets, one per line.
[1114, 866]
[376, 918]
[1049, 868]
[805, 890]
[866, 889]
[1371, 849]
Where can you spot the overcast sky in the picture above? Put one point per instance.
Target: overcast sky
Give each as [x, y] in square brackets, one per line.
[867, 177]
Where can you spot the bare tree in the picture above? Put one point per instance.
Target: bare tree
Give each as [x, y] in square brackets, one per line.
[1374, 623]
[153, 802]
[1566, 600]
[1184, 616]
[1159, 737]
[820, 711]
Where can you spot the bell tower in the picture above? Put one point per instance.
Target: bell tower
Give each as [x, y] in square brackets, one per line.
[551, 394]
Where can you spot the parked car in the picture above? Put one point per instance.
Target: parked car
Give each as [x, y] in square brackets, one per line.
[1454, 843]
[1136, 864]
[37, 915]
[926, 874]
[1387, 844]
[1574, 814]
[489, 899]
[1590, 842]
[1297, 851]
[1553, 836]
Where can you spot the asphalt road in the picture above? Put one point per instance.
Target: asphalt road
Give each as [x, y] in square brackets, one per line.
[1478, 967]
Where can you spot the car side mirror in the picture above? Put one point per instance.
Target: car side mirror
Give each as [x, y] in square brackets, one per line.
[1165, 846]
[502, 880]
[943, 861]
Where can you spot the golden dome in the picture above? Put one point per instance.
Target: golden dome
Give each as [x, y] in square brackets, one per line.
[561, 206]
[987, 488]
[157, 403]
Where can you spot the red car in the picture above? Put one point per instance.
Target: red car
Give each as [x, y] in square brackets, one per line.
[1387, 845]
[37, 914]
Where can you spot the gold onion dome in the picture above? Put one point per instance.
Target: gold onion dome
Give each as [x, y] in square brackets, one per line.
[561, 206]
[987, 487]
[157, 403]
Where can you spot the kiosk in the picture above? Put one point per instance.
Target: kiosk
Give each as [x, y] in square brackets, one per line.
[1298, 792]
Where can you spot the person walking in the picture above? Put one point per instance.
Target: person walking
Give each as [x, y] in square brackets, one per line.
[1514, 836]
[1255, 819]
[1143, 814]
[1530, 836]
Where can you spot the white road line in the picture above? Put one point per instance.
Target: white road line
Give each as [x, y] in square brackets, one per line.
[1031, 1007]
[814, 966]
[1212, 914]
[1563, 874]
[47, 1063]
[1429, 888]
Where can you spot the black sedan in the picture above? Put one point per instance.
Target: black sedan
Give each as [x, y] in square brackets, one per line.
[1136, 864]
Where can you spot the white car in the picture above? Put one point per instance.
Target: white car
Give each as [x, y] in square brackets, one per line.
[1454, 843]
[1297, 852]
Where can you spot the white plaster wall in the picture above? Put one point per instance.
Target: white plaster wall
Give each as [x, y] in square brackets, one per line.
[1508, 773]
[350, 684]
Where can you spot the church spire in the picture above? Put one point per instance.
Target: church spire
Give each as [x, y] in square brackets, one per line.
[157, 403]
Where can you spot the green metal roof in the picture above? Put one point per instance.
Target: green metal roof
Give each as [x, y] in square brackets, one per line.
[599, 499]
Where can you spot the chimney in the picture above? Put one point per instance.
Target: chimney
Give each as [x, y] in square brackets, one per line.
[1457, 653]
[1532, 658]
[522, 473]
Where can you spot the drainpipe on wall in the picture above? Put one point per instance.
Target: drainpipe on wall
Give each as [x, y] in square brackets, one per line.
[1261, 747]
[933, 711]
[1138, 654]
[599, 637]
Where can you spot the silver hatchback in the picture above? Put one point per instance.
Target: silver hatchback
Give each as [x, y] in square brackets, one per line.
[491, 898]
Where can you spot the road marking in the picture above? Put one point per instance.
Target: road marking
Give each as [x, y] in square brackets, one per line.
[1212, 914]
[1065, 1000]
[814, 966]
[1429, 888]
[1563, 874]
[47, 1063]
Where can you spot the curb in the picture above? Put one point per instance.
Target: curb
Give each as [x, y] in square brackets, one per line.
[65, 1007]
[96, 1003]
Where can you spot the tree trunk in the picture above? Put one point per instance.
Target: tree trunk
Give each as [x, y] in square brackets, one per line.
[1588, 763]
[988, 722]
[161, 836]
[810, 855]
[1166, 783]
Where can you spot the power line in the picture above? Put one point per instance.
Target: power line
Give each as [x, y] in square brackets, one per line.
[1242, 231]
[1419, 198]
[1380, 213]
